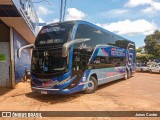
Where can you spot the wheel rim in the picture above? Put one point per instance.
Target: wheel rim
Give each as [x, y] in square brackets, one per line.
[90, 85]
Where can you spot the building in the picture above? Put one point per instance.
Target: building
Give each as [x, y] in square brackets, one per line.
[18, 21]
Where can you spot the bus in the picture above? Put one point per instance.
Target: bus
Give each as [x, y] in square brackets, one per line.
[73, 56]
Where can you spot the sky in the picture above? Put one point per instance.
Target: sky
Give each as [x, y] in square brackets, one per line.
[131, 19]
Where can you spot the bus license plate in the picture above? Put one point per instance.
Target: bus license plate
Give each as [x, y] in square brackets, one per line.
[43, 92]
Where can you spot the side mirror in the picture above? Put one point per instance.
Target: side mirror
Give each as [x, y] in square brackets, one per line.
[68, 44]
[24, 47]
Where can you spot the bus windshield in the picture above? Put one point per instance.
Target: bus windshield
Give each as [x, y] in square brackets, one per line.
[54, 34]
[48, 62]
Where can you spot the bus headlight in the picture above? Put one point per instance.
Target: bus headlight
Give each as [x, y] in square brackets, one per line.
[84, 79]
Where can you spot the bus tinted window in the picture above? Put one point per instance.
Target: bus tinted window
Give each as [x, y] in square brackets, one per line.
[49, 62]
[54, 34]
[97, 36]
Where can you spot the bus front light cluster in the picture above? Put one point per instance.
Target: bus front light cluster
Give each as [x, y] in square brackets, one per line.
[84, 79]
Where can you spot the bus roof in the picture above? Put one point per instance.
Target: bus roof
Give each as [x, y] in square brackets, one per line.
[91, 24]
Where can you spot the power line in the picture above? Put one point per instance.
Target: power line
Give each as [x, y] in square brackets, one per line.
[43, 1]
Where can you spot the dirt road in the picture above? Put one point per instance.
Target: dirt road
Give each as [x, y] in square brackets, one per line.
[141, 92]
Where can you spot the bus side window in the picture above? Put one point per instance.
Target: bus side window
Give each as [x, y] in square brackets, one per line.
[79, 61]
[101, 62]
[118, 61]
[97, 60]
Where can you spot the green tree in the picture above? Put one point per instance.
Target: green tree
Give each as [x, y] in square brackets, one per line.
[144, 57]
[153, 44]
[138, 50]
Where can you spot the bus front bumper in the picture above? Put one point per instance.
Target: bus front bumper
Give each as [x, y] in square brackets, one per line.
[57, 91]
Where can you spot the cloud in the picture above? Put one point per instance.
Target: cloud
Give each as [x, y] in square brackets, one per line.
[75, 14]
[155, 6]
[53, 21]
[134, 3]
[118, 11]
[152, 7]
[41, 10]
[148, 10]
[114, 12]
[130, 28]
[41, 20]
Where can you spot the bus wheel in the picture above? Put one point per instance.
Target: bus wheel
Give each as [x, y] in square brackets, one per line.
[92, 85]
[126, 75]
[129, 74]
[141, 70]
[150, 71]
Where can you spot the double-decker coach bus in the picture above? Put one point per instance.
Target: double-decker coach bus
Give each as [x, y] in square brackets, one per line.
[74, 56]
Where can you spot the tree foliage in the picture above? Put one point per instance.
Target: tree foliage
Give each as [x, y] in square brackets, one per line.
[145, 57]
[153, 44]
[138, 50]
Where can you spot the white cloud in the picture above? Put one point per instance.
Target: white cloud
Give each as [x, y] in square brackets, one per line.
[53, 21]
[75, 14]
[43, 10]
[39, 27]
[156, 5]
[118, 11]
[148, 10]
[131, 28]
[152, 7]
[134, 3]
[41, 20]
[115, 12]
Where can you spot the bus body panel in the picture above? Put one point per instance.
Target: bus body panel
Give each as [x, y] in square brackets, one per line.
[83, 59]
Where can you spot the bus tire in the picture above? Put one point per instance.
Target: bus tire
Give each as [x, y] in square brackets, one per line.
[141, 70]
[126, 75]
[150, 71]
[92, 85]
[129, 74]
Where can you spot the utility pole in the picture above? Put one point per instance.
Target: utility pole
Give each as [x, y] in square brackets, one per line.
[62, 10]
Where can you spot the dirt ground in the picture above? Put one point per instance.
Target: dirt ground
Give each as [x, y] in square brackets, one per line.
[141, 92]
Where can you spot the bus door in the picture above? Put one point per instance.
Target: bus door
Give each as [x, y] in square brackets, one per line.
[80, 60]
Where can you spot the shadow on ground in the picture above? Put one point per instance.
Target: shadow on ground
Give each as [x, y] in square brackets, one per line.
[4, 91]
[52, 99]
[111, 83]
